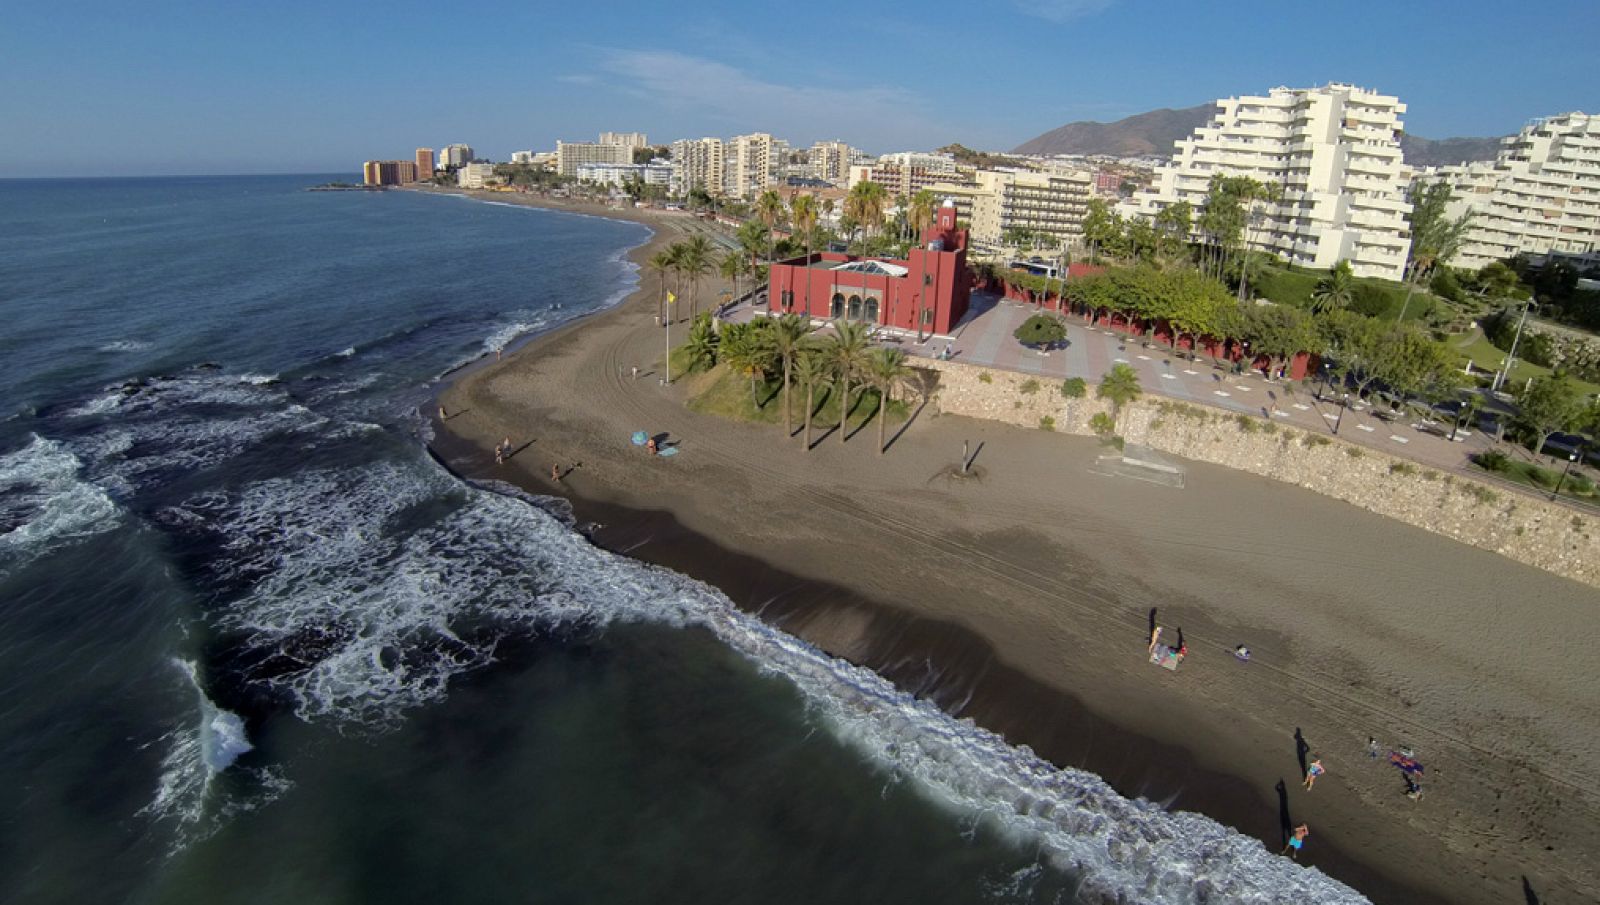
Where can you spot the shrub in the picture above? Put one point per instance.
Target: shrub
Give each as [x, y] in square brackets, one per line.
[1315, 440]
[1492, 460]
[1047, 423]
[1029, 387]
[985, 378]
[1041, 330]
[1102, 424]
[1247, 424]
[1581, 485]
[1353, 452]
[1268, 427]
[1430, 475]
[1402, 468]
[1483, 494]
[1074, 388]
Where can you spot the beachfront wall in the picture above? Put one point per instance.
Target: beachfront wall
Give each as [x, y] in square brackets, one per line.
[935, 290]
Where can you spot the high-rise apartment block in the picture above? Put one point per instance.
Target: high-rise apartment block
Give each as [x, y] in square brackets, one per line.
[1047, 203]
[1334, 151]
[454, 156]
[628, 140]
[831, 160]
[424, 163]
[752, 163]
[1541, 194]
[572, 154]
[388, 172]
[699, 163]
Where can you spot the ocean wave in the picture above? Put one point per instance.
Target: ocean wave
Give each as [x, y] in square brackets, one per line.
[377, 623]
[44, 503]
[127, 345]
[197, 752]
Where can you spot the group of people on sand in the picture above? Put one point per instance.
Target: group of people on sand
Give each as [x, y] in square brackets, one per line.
[1314, 769]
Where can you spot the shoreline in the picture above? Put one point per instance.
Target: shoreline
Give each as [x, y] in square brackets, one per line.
[872, 623]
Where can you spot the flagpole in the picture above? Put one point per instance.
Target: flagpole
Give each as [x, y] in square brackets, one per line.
[670, 300]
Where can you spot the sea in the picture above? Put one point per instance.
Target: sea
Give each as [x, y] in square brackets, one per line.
[257, 645]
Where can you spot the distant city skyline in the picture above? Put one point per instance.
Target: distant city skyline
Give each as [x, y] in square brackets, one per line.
[187, 88]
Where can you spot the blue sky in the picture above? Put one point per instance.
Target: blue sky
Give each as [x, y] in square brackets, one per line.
[130, 88]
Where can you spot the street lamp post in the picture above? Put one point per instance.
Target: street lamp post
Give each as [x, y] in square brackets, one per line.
[1571, 458]
[1511, 356]
[1344, 402]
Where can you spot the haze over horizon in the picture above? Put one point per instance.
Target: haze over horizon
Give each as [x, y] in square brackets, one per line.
[187, 88]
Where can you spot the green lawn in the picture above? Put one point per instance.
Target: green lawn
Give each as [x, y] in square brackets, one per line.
[1486, 357]
[1577, 485]
[728, 396]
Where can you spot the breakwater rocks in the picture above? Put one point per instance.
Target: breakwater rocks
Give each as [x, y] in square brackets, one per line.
[1518, 526]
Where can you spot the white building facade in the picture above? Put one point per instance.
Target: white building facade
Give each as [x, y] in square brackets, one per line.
[572, 154]
[1334, 151]
[831, 160]
[618, 174]
[629, 140]
[699, 163]
[457, 155]
[1541, 194]
[753, 163]
[475, 175]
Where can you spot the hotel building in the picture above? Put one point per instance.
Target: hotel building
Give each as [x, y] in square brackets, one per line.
[388, 172]
[475, 175]
[752, 163]
[928, 291]
[455, 156]
[1334, 150]
[424, 163]
[572, 154]
[1541, 194]
[618, 174]
[905, 173]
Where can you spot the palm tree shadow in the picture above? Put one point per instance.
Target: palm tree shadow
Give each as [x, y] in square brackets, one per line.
[860, 425]
[906, 426]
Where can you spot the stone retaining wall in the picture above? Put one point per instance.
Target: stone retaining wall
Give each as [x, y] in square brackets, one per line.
[1541, 534]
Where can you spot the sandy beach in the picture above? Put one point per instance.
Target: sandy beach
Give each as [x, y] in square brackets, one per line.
[1021, 597]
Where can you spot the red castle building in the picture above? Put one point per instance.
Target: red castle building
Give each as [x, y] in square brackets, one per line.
[930, 285]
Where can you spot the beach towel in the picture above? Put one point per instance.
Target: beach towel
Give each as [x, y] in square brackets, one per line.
[640, 438]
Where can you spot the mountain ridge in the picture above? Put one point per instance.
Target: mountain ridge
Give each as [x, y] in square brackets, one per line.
[1155, 131]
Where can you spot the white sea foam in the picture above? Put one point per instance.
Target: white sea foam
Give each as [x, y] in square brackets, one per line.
[383, 621]
[44, 503]
[346, 352]
[197, 751]
[126, 345]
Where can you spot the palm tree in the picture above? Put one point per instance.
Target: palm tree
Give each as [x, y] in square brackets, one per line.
[922, 205]
[886, 367]
[845, 351]
[769, 208]
[695, 261]
[747, 349]
[660, 263]
[865, 205]
[733, 267]
[1334, 291]
[789, 333]
[1120, 386]
[803, 213]
[1248, 268]
[811, 368]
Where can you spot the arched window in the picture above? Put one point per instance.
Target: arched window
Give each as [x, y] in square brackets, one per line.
[872, 310]
[855, 307]
[836, 307]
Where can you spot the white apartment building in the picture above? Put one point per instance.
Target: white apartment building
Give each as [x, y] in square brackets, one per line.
[1541, 194]
[524, 157]
[905, 172]
[475, 175]
[572, 154]
[1050, 203]
[618, 174]
[699, 163]
[831, 160]
[629, 140]
[455, 156]
[753, 163]
[1334, 150]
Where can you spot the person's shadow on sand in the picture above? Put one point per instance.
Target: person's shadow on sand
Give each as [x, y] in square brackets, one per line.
[1285, 824]
[1301, 749]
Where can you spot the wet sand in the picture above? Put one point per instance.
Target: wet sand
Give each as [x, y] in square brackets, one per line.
[1021, 597]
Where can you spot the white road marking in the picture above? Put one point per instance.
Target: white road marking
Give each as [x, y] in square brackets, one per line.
[1220, 393]
[1330, 416]
[1142, 357]
[1189, 372]
[1398, 439]
[1120, 361]
[1303, 408]
[1169, 376]
[1367, 427]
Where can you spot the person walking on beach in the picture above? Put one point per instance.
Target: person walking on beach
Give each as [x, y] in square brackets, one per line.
[635, 372]
[507, 444]
[555, 473]
[442, 415]
[1312, 772]
[1296, 841]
